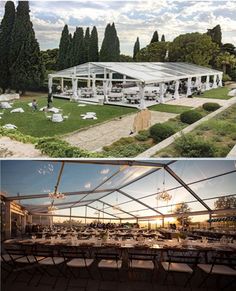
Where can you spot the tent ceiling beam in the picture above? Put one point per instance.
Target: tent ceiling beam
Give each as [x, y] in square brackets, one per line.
[138, 201]
[178, 187]
[103, 182]
[178, 179]
[100, 210]
[43, 195]
[120, 209]
[119, 162]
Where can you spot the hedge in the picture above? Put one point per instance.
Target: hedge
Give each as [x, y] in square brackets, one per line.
[160, 131]
[190, 116]
[210, 106]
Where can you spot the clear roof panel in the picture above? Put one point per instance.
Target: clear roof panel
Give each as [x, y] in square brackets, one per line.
[220, 186]
[190, 172]
[126, 175]
[31, 178]
[156, 182]
[149, 72]
[36, 177]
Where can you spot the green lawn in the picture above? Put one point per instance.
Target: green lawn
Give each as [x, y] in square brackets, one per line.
[220, 132]
[36, 124]
[219, 93]
[178, 109]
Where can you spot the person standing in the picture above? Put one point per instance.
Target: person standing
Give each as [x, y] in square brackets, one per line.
[35, 105]
[14, 228]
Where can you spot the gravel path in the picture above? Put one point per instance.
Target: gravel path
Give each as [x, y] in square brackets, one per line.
[93, 139]
[14, 149]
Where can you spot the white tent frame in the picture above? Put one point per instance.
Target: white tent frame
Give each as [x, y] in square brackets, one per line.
[141, 73]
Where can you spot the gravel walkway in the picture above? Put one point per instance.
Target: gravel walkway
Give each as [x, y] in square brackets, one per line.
[94, 138]
[14, 149]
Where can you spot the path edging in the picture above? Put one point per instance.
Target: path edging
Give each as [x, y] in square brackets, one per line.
[163, 144]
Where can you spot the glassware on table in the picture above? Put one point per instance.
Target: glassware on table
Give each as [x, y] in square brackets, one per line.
[34, 237]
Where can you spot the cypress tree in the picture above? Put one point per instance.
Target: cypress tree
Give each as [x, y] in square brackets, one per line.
[78, 49]
[5, 43]
[136, 48]
[27, 69]
[155, 37]
[86, 45]
[163, 38]
[93, 48]
[64, 49]
[110, 50]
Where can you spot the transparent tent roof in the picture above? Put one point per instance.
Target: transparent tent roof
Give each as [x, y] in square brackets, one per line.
[148, 72]
[118, 189]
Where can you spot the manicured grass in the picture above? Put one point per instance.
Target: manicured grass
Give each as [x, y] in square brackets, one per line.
[219, 131]
[170, 108]
[219, 93]
[36, 124]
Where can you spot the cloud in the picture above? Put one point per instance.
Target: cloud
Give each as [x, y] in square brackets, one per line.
[132, 19]
[87, 185]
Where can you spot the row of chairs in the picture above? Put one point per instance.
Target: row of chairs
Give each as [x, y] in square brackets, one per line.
[69, 260]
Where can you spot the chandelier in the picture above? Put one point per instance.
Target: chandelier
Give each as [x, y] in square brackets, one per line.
[164, 195]
[56, 195]
[52, 208]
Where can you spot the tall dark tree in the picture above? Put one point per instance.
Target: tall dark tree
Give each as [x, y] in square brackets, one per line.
[110, 50]
[155, 37]
[136, 48]
[163, 37]
[27, 69]
[215, 34]
[5, 44]
[93, 48]
[64, 49]
[78, 49]
[86, 45]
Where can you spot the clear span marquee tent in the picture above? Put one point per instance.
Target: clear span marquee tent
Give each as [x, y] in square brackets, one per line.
[139, 73]
[118, 190]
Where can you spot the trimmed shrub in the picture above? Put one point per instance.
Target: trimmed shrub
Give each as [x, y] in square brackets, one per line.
[143, 135]
[210, 106]
[193, 147]
[160, 132]
[190, 116]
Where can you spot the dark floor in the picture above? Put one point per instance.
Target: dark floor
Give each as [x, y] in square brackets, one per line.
[137, 282]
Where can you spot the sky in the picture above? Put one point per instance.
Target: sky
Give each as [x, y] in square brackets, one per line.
[35, 177]
[132, 18]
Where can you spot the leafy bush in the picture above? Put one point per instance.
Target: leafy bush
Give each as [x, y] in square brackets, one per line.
[190, 116]
[210, 106]
[143, 135]
[128, 150]
[191, 146]
[56, 148]
[160, 131]
[16, 135]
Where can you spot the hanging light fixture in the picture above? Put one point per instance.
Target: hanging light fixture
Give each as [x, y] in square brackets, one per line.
[56, 195]
[116, 208]
[52, 208]
[164, 195]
